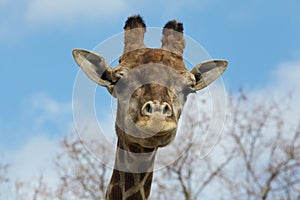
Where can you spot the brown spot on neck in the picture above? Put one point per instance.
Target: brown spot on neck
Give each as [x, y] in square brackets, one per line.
[129, 185]
[125, 185]
[135, 196]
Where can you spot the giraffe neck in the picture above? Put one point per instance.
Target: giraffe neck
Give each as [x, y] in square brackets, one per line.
[133, 172]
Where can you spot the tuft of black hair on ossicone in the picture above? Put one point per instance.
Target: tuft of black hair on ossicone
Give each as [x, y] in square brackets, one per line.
[175, 25]
[135, 21]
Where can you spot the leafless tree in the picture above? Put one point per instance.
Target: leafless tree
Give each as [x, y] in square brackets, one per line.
[24, 190]
[82, 175]
[34, 190]
[3, 176]
[3, 173]
[193, 172]
[268, 162]
[256, 157]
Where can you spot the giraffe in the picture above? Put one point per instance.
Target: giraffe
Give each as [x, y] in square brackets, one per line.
[151, 86]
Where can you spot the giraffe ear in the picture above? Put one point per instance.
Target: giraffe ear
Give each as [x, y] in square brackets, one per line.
[206, 72]
[94, 66]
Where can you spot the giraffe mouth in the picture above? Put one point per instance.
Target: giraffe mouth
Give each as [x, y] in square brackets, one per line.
[156, 125]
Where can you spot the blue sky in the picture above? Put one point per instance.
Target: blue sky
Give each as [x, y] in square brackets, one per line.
[37, 71]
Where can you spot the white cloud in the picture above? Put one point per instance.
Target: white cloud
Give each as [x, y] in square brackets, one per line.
[72, 11]
[30, 15]
[38, 143]
[42, 113]
[284, 89]
[28, 163]
[287, 75]
[33, 159]
[288, 81]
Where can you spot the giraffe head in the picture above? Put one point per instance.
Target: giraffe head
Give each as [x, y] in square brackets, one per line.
[151, 85]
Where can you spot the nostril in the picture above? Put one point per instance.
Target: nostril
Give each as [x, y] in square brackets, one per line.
[167, 110]
[151, 107]
[148, 108]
